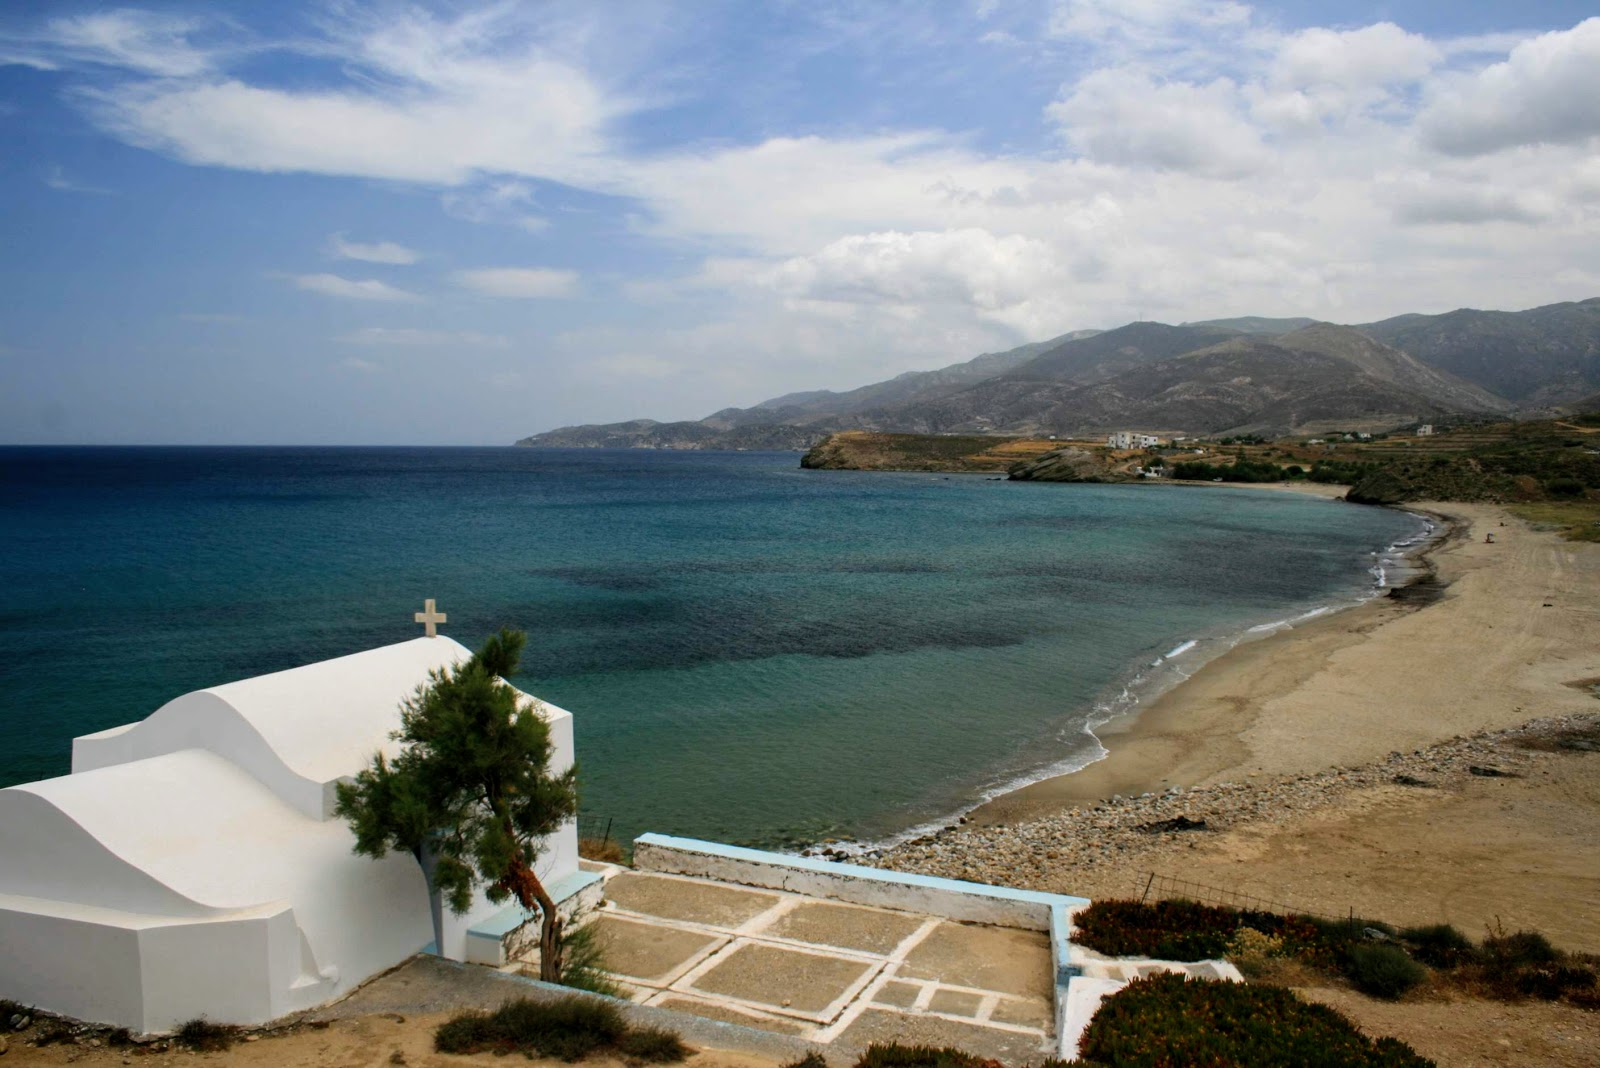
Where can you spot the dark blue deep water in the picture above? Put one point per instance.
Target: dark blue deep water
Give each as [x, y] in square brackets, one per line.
[751, 652]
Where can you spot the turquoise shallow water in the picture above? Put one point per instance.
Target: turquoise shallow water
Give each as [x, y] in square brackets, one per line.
[751, 652]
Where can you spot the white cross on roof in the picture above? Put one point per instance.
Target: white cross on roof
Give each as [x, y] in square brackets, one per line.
[429, 617]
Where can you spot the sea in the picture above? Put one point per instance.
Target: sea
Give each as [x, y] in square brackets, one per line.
[751, 652]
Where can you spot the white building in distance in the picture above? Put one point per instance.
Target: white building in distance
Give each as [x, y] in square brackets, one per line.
[1425, 430]
[192, 865]
[1131, 439]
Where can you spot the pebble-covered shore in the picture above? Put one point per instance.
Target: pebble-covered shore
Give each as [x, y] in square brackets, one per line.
[1130, 833]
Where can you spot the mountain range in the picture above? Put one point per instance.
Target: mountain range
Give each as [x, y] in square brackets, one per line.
[1224, 376]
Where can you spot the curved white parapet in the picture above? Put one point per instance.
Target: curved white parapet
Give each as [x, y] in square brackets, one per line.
[298, 731]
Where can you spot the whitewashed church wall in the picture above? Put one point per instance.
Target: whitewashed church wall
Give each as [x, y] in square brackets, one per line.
[71, 965]
[239, 970]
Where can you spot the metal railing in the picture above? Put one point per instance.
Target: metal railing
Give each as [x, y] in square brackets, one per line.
[595, 827]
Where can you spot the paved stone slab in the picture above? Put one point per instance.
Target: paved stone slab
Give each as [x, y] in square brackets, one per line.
[955, 1002]
[886, 1025]
[782, 978]
[728, 1014]
[1001, 959]
[847, 926]
[644, 950]
[900, 995]
[1025, 1012]
[694, 902]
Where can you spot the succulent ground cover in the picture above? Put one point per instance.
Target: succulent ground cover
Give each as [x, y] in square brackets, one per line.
[1377, 959]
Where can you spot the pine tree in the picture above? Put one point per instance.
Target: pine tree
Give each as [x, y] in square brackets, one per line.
[470, 794]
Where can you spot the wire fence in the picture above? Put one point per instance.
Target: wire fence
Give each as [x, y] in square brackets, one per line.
[595, 827]
[1154, 886]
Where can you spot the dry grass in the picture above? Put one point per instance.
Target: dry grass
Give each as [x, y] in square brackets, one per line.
[1575, 520]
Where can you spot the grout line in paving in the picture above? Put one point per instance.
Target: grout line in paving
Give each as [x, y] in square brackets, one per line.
[986, 1007]
[767, 917]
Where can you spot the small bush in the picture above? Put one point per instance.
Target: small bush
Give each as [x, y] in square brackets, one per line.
[1439, 945]
[204, 1036]
[568, 1029]
[1518, 950]
[653, 1046]
[894, 1055]
[582, 963]
[1383, 971]
[1166, 1020]
[810, 1060]
[1552, 982]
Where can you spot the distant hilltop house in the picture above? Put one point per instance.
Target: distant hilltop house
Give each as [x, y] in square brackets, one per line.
[1131, 439]
[1425, 430]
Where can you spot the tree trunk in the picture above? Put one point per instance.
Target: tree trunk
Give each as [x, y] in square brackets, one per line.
[521, 881]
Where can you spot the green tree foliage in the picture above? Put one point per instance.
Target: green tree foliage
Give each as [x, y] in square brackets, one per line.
[471, 793]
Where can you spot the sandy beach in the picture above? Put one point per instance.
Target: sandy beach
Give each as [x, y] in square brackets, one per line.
[1514, 631]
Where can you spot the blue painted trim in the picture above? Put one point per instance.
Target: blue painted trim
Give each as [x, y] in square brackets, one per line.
[513, 916]
[856, 871]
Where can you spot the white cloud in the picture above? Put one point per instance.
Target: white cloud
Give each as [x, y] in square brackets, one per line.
[520, 282]
[144, 41]
[1122, 116]
[413, 338]
[1424, 199]
[378, 252]
[1378, 55]
[505, 201]
[430, 100]
[333, 285]
[1145, 23]
[972, 268]
[58, 180]
[1545, 92]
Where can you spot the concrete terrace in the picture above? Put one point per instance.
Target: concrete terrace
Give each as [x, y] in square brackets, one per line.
[824, 970]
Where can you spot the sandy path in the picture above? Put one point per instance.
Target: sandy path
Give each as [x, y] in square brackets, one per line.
[1353, 687]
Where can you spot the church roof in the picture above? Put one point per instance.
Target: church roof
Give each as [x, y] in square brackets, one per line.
[298, 731]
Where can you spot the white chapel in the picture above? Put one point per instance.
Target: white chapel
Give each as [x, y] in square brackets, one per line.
[192, 865]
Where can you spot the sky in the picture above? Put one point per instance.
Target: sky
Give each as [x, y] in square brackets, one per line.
[357, 223]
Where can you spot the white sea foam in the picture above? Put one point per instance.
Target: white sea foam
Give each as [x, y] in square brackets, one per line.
[1184, 648]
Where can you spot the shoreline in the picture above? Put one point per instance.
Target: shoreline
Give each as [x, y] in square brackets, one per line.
[1268, 705]
[1151, 746]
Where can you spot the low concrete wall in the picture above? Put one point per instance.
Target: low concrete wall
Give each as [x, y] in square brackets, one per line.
[950, 898]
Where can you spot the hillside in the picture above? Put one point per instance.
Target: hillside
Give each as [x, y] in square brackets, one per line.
[649, 434]
[1542, 356]
[1246, 374]
[1312, 379]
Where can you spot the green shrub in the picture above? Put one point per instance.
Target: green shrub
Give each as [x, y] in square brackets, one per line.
[1553, 981]
[1165, 1020]
[206, 1037]
[810, 1060]
[653, 1045]
[894, 1055]
[1439, 945]
[1518, 950]
[1564, 487]
[583, 965]
[466, 1032]
[567, 1028]
[1383, 971]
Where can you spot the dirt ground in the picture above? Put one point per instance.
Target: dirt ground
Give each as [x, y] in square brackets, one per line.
[362, 1042]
